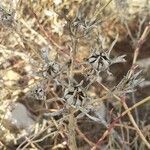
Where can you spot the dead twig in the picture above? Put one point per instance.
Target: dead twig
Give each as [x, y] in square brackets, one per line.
[139, 45]
[127, 111]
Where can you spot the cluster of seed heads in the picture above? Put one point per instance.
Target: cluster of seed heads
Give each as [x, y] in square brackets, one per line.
[73, 93]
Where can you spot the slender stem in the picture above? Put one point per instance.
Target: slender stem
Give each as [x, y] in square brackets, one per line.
[127, 111]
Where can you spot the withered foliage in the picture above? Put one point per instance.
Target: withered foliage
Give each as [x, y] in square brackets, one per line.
[68, 71]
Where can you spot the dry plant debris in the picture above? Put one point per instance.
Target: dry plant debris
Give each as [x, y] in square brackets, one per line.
[74, 74]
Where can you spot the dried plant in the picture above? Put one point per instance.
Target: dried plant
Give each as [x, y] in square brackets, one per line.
[62, 66]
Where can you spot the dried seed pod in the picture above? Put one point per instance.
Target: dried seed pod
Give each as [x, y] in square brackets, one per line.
[53, 69]
[100, 61]
[38, 92]
[49, 70]
[75, 96]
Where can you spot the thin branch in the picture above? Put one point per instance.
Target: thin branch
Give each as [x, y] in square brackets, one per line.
[106, 133]
[84, 137]
[71, 128]
[139, 45]
[127, 111]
